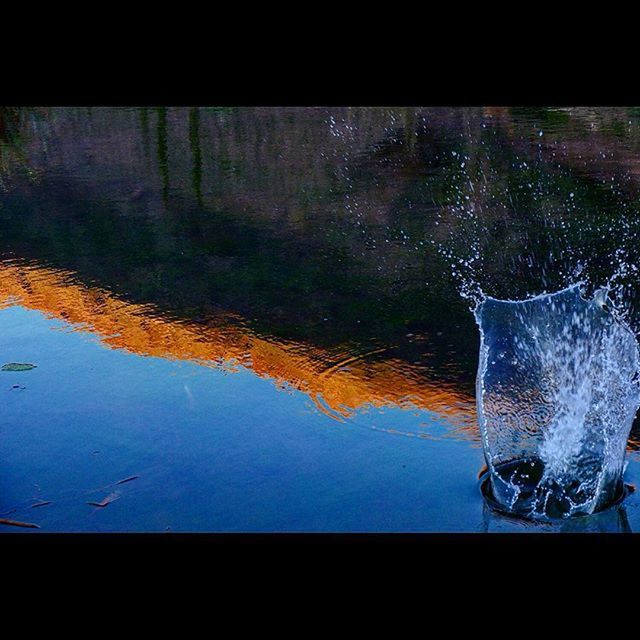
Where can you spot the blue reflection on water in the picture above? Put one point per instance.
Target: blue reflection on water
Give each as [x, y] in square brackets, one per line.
[214, 451]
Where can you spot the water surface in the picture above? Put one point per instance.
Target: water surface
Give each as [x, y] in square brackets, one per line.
[246, 310]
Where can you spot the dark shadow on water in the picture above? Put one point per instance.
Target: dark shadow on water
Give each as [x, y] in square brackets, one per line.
[496, 519]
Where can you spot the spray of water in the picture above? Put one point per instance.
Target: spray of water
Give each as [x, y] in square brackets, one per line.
[550, 287]
[546, 260]
[557, 393]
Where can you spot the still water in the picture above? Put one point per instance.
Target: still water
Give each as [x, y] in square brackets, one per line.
[244, 313]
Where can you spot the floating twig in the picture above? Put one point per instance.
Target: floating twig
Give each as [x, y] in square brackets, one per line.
[16, 523]
[105, 501]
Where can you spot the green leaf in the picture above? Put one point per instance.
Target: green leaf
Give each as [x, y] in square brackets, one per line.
[17, 366]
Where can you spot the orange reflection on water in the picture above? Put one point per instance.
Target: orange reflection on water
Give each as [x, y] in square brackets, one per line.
[339, 383]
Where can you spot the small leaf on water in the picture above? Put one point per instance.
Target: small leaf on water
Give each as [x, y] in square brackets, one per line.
[105, 501]
[16, 523]
[17, 366]
[129, 479]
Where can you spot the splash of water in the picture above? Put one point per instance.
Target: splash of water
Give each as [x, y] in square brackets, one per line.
[557, 386]
[557, 390]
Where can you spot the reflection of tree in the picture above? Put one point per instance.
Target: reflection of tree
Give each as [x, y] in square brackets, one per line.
[9, 123]
[314, 224]
[545, 196]
[236, 245]
[194, 139]
[355, 381]
[12, 156]
[162, 151]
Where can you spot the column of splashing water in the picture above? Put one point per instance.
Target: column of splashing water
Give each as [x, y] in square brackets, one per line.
[557, 385]
[557, 391]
